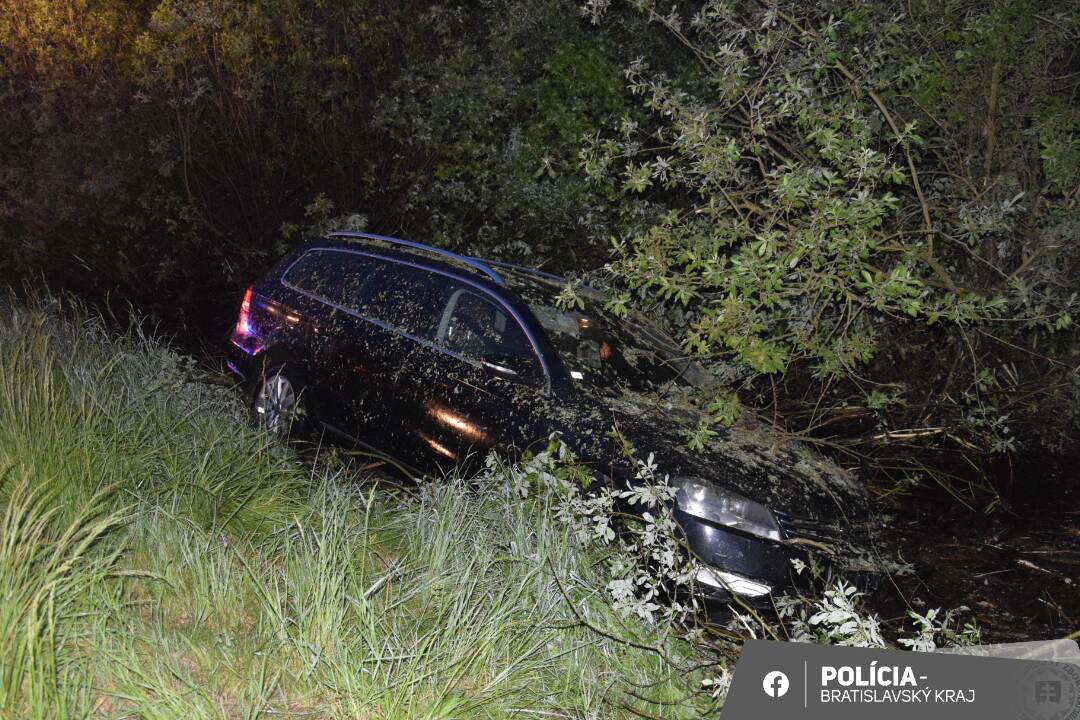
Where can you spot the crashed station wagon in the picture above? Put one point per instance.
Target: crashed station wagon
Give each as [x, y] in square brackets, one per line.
[430, 359]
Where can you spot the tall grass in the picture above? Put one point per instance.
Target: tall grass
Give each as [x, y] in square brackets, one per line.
[160, 558]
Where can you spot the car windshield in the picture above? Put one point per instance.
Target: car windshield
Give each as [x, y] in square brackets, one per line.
[603, 351]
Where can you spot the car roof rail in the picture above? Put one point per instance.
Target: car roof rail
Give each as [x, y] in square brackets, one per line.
[535, 272]
[472, 262]
[522, 269]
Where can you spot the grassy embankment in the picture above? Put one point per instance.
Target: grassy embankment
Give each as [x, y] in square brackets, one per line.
[160, 558]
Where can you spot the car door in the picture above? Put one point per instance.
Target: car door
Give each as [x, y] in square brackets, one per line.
[486, 382]
[396, 308]
[328, 283]
[313, 291]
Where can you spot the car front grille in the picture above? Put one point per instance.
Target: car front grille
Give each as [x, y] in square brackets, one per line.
[798, 529]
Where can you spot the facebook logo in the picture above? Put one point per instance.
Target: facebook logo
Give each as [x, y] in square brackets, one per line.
[775, 684]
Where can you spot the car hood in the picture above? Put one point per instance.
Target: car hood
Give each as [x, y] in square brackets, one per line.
[788, 477]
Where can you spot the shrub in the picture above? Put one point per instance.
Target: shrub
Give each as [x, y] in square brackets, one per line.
[785, 221]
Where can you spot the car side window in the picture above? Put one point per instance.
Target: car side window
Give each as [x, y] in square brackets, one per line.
[334, 276]
[475, 327]
[404, 297]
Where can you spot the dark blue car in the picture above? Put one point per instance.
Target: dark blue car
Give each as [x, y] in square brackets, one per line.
[430, 359]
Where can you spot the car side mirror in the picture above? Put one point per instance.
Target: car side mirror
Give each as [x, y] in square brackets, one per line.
[510, 367]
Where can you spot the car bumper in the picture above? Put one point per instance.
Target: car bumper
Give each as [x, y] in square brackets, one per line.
[240, 354]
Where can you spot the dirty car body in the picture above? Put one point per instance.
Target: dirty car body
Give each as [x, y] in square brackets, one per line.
[432, 359]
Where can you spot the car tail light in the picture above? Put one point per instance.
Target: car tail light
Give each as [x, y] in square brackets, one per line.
[243, 323]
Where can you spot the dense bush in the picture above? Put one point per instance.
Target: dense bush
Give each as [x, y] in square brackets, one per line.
[167, 150]
[155, 149]
[866, 222]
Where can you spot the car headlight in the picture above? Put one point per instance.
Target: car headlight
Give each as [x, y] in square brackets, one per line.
[723, 507]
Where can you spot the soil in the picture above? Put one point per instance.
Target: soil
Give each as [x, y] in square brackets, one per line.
[1017, 571]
